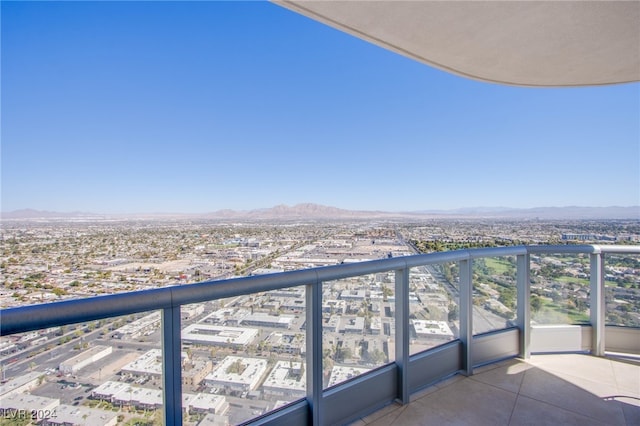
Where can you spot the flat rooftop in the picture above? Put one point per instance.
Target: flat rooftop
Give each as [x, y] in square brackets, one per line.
[247, 371]
[341, 373]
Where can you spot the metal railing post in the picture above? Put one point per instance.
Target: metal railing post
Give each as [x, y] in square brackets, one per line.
[524, 304]
[402, 334]
[172, 366]
[597, 302]
[313, 296]
[466, 315]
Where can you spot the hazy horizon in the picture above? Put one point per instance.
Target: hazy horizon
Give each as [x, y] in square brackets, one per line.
[313, 210]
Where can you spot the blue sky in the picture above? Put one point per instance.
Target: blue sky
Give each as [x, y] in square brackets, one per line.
[123, 107]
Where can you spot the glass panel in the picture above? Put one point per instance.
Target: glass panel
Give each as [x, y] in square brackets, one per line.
[494, 293]
[358, 331]
[433, 306]
[245, 356]
[98, 372]
[622, 290]
[560, 289]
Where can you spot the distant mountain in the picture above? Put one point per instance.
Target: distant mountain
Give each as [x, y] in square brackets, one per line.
[319, 212]
[299, 211]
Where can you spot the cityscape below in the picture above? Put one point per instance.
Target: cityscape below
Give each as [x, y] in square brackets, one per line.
[245, 356]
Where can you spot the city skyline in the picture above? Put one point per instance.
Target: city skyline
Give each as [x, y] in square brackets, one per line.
[134, 107]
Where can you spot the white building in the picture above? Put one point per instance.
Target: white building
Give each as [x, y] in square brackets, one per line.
[205, 334]
[223, 316]
[237, 374]
[144, 326]
[145, 398]
[124, 394]
[294, 305]
[341, 373]
[149, 364]
[432, 329]
[67, 415]
[330, 324]
[353, 294]
[108, 390]
[294, 344]
[7, 347]
[293, 292]
[287, 379]
[376, 325]
[142, 398]
[334, 306]
[204, 403]
[263, 319]
[73, 364]
[353, 325]
[26, 403]
[23, 383]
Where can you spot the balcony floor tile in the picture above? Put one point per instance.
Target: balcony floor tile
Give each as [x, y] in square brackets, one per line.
[507, 377]
[536, 413]
[557, 391]
[384, 412]
[572, 389]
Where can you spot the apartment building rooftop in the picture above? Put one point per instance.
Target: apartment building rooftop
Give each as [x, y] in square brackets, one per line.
[238, 373]
[81, 416]
[221, 335]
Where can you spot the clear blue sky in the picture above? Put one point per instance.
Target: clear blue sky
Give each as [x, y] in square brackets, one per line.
[193, 107]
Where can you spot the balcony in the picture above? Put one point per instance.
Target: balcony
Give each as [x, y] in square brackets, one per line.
[470, 349]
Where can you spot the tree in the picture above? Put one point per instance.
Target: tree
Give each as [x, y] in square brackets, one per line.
[536, 303]
[377, 357]
[453, 312]
[59, 291]
[386, 292]
[342, 353]
[237, 367]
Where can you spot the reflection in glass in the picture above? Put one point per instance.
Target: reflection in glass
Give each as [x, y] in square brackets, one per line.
[358, 325]
[622, 290]
[494, 293]
[433, 306]
[560, 289]
[88, 373]
[246, 355]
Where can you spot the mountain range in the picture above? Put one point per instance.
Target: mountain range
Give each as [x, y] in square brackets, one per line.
[313, 211]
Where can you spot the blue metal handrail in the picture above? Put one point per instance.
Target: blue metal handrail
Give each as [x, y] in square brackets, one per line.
[35, 317]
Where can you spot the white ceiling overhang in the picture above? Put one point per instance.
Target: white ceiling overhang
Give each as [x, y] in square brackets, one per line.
[524, 43]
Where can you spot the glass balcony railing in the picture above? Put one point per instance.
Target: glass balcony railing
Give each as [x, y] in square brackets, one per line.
[622, 290]
[494, 293]
[321, 346]
[560, 289]
[434, 306]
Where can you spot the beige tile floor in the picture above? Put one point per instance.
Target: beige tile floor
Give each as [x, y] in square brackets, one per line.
[565, 389]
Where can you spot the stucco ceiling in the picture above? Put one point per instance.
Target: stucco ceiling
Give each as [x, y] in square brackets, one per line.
[524, 43]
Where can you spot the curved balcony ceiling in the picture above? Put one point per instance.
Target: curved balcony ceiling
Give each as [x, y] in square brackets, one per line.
[523, 43]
